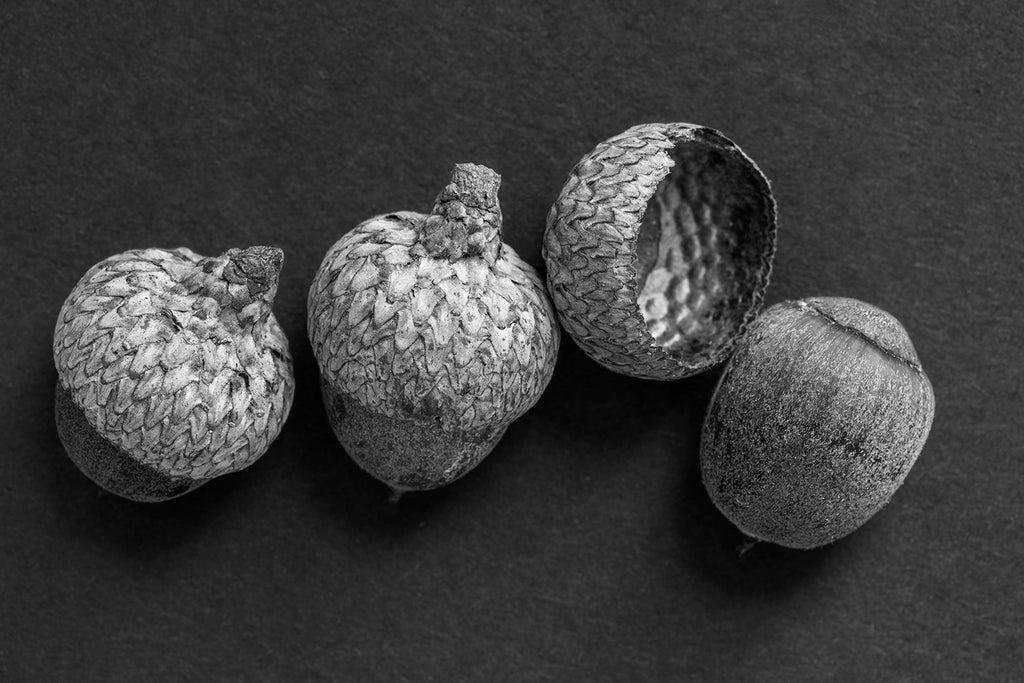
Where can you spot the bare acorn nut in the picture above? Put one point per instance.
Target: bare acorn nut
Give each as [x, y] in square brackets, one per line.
[171, 369]
[658, 249]
[817, 418]
[432, 336]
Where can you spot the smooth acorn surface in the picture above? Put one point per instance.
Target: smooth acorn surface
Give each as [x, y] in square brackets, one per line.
[816, 421]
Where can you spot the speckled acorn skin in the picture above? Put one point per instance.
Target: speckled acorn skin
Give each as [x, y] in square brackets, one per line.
[659, 248]
[816, 421]
[171, 369]
[432, 336]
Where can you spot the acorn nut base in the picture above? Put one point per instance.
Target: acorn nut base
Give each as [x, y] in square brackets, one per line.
[408, 454]
[111, 467]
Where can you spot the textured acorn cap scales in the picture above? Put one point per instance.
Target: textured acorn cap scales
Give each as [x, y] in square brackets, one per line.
[816, 421]
[171, 368]
[432, 336]
[659, 248]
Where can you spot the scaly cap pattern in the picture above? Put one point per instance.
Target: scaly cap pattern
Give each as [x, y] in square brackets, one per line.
[177, 359]
[432, 316]
[592, 250]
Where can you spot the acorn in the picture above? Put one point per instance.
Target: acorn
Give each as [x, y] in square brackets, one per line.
[432, 336]
[171, 369]
[659, 248]
[816, 421]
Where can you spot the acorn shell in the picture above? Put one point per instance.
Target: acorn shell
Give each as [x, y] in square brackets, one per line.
[659, 248]
[816, 421]
[431, 335]
[171, 369]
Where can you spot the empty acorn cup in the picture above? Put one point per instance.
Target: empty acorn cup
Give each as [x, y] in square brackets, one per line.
[659, 248]
[171, 369]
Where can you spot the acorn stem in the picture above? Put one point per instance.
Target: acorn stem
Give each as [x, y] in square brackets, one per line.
[242, 281]
[466, 218]
[395, 496]
[747, 545]
[259, 268]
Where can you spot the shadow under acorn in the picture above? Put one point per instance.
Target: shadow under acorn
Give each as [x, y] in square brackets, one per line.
[601, 413]
[336, 483]
[142, 531]
[726, 557]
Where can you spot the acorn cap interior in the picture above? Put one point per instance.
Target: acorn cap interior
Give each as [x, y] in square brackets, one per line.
[704, 247]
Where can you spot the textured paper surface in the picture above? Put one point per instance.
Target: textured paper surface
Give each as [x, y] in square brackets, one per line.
[584, 547]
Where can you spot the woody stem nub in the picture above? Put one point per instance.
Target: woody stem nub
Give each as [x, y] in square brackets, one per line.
[466, 218]
[241, 283]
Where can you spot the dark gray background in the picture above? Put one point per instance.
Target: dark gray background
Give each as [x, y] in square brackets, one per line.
[585, 547]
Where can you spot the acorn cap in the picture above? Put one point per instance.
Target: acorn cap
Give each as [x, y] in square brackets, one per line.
[175, 361]
[431, 335]
[659, 248]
